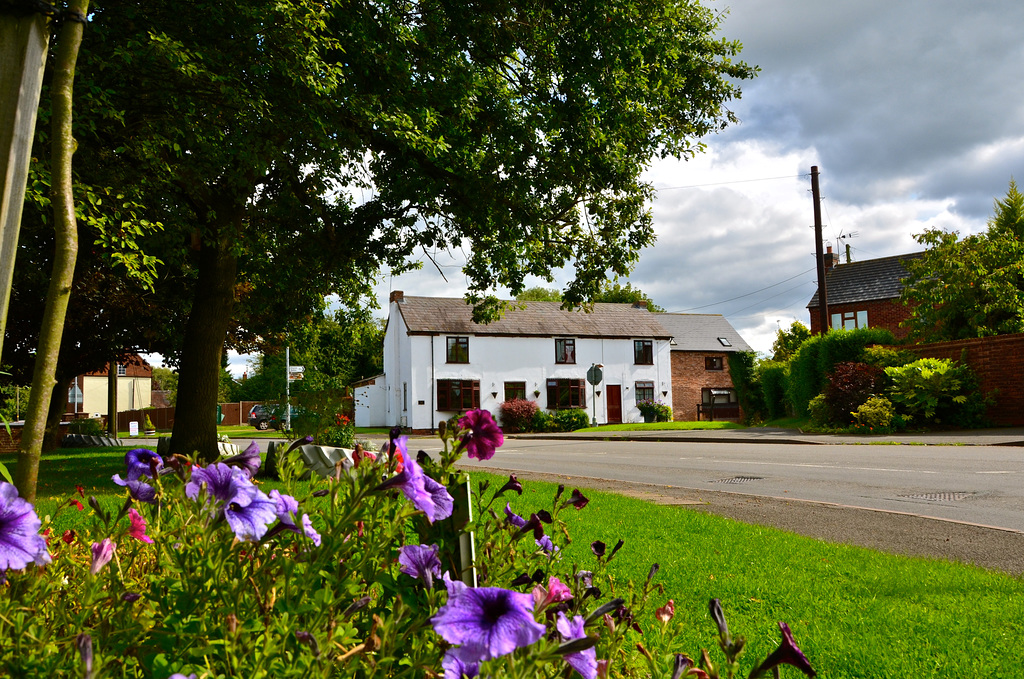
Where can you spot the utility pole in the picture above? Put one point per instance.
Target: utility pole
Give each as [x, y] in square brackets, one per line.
[819, 254]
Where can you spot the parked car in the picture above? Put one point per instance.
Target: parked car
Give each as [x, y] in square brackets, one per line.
[277, 417]
[259, 417]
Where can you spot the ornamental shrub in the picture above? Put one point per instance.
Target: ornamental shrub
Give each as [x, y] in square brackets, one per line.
[541, 421]
[809, 368]
[938, 391]
[201, 572]
[654, 409]
[876, 414]
[849, 386]
[517, 414]
[570, 419]
[819, 411]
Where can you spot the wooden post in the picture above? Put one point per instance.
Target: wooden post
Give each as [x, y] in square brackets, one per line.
[23, 45]
[823, 319]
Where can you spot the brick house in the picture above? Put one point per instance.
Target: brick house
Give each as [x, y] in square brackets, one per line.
[700, 349]
[864, 294]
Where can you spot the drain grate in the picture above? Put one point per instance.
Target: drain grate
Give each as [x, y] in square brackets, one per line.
[938, 497]
[739, 479]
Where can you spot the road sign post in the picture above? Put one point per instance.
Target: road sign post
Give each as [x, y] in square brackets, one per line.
[594, 376]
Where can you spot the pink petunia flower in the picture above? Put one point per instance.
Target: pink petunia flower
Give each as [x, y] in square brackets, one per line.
[138, 527]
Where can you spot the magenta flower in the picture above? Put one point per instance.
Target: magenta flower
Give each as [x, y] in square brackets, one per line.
[577, 500]
[555, 593]
[102, 553]
[420, 561]
[584, 662]
[488, 622]
[543, 541]
[20, 541]
[425, 493]
[786, 654]
[137, 529]
[511, 485]
[248, 460]
[483, 435]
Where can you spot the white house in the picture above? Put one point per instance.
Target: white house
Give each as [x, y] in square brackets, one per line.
[370, 403]
[438, 362]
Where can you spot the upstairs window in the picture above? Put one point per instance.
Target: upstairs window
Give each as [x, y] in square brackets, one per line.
[714, 363]
[458, 395]
[850, 320]
[565, 350]
[564, 394]
[122, 370]
[643, 352]
[458, 350]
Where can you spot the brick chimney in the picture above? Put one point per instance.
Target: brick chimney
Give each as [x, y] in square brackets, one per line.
[399, 296]
[830, 259]
[640, 304]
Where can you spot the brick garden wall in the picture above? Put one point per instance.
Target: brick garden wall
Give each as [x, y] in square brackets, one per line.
[999, 364]
[9, 443]
[689, 376]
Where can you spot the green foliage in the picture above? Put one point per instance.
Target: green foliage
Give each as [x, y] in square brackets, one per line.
[654, 410]
[774, 377]
[518, 414]
[888, 357]
[539, 294]
[542, 421]
[876, 414]
[616, 293]
[819, 411]
[787, 342]
[818, 355]
[88, 426]
[970, 287]
[569, 419]
[746, 380]
[937, 391]
[166, 379]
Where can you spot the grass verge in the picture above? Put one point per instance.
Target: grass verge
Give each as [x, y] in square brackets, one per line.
[662, 426]
[854, 611]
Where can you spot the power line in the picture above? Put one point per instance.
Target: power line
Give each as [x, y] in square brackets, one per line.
[767, 287]
[737, 181]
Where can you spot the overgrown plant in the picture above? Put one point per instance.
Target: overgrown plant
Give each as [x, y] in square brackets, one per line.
[938, 391]
[201, 573]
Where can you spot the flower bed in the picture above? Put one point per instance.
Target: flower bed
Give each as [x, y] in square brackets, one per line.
[201, 573]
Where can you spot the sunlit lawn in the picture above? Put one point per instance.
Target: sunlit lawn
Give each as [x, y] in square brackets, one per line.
[663, 426]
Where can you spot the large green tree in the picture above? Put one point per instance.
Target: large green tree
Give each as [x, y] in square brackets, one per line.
[293, 149]
[972, 286]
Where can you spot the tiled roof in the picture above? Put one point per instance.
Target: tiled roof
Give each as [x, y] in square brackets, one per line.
[864, 281]
[437, 315]
[700, 332]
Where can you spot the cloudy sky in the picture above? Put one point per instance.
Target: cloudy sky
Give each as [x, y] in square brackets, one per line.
[913, 111]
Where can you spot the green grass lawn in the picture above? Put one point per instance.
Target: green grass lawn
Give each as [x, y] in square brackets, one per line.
[663, 426]
[855, 612]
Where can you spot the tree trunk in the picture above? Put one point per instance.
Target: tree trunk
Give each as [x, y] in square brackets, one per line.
[58, 406]
[66, 252]
[195, 415]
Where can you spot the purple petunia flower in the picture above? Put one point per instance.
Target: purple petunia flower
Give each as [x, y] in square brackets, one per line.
[140, 462]
[84, 642]
[488, 622]
[287, 508]
[511, 485]
[425, 493]
[456, 668]
[246, 508]
[786, 654]
[420, 561]
[140, 491]
[20, 541]
[248, 460]
[102, 553]
[544, 542]
[484, 434]
[584, 662]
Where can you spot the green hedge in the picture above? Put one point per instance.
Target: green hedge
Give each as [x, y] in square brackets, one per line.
[817, 356]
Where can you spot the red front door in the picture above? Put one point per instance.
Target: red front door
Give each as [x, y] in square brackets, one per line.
[614, 403]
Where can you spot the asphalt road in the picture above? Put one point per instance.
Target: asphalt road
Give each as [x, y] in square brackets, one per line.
[960, 503]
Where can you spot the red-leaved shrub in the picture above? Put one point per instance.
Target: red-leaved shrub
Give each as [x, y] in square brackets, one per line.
[849, 386]
[517, 414]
